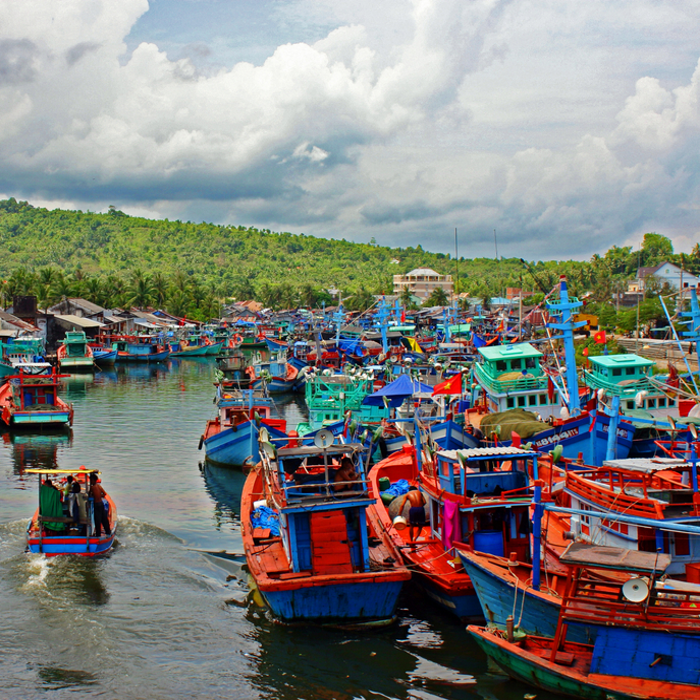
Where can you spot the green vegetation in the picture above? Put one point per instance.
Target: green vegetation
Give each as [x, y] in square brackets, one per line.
[187, 268]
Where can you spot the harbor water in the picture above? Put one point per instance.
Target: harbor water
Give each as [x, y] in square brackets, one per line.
[161, 618]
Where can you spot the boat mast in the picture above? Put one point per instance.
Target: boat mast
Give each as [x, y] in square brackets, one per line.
[564, 309]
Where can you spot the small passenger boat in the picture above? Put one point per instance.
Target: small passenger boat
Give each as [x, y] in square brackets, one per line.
[53, 530]
[311, 551]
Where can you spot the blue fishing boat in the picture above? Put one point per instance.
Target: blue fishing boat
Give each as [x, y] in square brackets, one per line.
[646, 640]
[142, 348]
[231, 439]
[276, 375]
[54, 530]
[312, 554]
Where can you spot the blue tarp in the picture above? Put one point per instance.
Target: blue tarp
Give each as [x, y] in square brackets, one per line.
[266, 518]
[398, 489]
[397, 391]
[353, 347]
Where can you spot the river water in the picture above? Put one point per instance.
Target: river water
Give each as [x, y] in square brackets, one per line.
[158, 618]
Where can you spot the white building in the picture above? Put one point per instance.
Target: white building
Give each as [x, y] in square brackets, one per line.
[422, 282]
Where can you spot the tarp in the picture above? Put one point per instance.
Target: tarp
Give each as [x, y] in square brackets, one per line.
[517, 420]
[397, 391]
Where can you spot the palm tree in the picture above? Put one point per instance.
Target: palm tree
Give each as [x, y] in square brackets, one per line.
[141, 292]
[438, 297]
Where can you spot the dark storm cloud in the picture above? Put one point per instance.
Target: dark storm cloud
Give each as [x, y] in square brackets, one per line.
[18, 61]
[75, 53]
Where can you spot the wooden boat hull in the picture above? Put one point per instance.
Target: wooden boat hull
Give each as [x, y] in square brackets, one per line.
[235, 446]
[77, 364]
[352, 603]
[342, 599]
[528, 664]
[39, 419]
[537, 612]
[143, 357]
[104, 357]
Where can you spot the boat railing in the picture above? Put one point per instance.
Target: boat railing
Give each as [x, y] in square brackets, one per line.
[624, 387]
[497, 386]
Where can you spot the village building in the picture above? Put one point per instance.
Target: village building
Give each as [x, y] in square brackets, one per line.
[422, 282]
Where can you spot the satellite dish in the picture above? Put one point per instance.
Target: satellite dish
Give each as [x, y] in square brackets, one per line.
[672, 423]
[324, 438]
[263, 435]
[269, 449]
[636, 590]
[693, 430]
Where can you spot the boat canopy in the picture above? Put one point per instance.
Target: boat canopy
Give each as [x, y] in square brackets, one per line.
[61, 471]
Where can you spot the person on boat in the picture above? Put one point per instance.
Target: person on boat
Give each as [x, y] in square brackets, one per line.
[67, 488]
[416, 513]
[98, 495]
[344, 474]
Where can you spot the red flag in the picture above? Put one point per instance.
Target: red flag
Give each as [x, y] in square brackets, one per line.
[600, 338]
[550, 389]
[585, 352]
[403, 315]
[449, 386]
[515, 438]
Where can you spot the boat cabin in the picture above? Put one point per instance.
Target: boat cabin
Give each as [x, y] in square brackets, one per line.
[481, 497]
[321, 496]
[511, 377]
[627, 376]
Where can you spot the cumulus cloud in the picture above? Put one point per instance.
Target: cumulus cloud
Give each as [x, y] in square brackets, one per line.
[476, 115]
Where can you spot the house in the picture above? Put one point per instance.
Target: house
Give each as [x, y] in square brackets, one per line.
[422, 282]
[665, 273]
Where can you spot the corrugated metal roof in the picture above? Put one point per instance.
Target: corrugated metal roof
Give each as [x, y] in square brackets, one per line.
[78, 321]
[477, 452]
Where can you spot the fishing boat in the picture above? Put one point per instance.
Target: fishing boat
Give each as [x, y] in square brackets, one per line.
[195, 345]
[312, 554]
[30, 400]
[231, 438]
[478, 497]
[140, 348]
[20, 351]
[647, 640]
[513, 378]
[276, 375]
[53, 530]
[75, 354]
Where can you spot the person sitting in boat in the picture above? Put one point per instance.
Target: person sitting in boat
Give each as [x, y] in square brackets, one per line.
[416, 514]
[99, 495]
[346, 473]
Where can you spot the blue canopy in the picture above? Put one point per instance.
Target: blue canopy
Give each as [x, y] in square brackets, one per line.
[397, 391]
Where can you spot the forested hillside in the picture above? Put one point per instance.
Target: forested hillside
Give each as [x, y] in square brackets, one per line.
[118, 260]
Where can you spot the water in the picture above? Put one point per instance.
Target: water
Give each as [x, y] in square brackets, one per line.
[159, 619]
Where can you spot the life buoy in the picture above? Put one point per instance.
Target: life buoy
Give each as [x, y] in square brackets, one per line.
[237, 338]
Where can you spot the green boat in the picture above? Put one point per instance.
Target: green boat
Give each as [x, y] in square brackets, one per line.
[329, 397]
[75, 355]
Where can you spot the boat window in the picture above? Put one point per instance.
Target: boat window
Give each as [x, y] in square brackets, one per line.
[530, 363]
[681, 544]
[629, 370]
[672, 402]
[516, 364]
[630, 404]
[521, 401]
[532, 400]
[662, 402]
[510, 403]
[501, 365]
[617, 372]
[651, 403]
[543, 399]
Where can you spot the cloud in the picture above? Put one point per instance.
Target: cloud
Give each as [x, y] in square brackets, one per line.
[482, 115]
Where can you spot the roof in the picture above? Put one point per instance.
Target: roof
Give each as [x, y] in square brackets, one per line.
[599, 557]
[18, 322]
[629, 360]
[648, 466]
[79, 321]
[487, 453]
[423, 272]
[509, 352]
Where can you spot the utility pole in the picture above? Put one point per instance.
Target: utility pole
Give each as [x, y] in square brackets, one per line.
[456, 284]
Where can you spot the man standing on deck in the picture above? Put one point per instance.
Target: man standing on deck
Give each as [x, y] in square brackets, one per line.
[416, 515]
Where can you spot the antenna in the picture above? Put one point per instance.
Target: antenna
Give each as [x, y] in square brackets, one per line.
[456, 284]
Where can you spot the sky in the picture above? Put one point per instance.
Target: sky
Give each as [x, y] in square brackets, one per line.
[545, 130]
